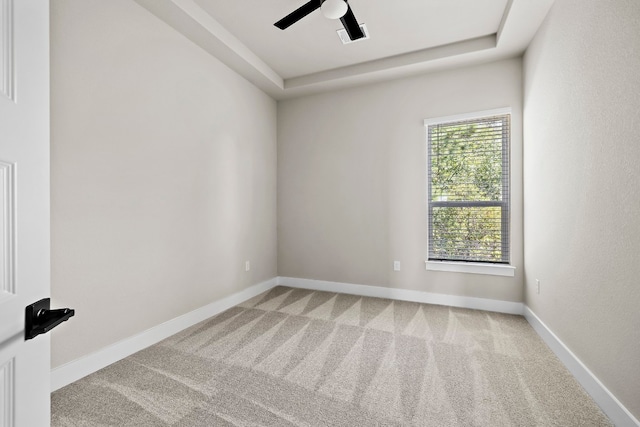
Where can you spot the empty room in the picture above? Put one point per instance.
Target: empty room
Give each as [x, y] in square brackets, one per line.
[319, 213]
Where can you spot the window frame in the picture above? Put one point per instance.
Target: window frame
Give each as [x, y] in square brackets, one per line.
[503, 267]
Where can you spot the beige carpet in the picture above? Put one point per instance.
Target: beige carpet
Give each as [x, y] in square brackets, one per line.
[294, 357]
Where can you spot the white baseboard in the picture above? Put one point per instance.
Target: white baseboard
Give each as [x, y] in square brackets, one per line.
[609, 404]
[79, 368]
[405, 295]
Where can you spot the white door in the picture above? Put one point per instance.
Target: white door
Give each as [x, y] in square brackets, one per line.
[24, 209]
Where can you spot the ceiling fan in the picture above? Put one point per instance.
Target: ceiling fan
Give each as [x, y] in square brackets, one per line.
[332, 9]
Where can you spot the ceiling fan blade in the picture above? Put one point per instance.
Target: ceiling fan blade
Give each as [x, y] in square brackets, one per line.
[298, 14]
[351, 25]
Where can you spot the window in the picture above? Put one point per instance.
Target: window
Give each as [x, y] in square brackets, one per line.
[468, 187]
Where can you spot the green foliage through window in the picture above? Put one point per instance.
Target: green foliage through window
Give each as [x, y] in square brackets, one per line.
[468, 190]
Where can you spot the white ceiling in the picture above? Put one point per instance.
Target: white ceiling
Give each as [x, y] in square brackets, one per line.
[312, 45]
[406, 37]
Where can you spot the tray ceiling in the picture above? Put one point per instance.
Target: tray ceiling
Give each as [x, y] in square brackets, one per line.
[406, 37]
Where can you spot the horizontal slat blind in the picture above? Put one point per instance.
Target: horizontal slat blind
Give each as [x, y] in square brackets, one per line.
[468, 200]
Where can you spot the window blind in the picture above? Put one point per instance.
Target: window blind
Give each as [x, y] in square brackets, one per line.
[468, 189]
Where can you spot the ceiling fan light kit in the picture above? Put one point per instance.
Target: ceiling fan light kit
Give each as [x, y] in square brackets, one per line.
[332, 9]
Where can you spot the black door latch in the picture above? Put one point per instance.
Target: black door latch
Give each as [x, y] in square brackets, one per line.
[40, 319]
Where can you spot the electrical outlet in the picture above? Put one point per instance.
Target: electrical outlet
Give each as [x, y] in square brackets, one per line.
[537, 286]
[396, 265]
[247, 266]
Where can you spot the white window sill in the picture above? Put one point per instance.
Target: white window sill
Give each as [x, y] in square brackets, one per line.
[472, 267]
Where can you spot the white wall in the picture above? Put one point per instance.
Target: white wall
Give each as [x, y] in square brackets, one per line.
[163, 175]
[582, 185]
[352, 180]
